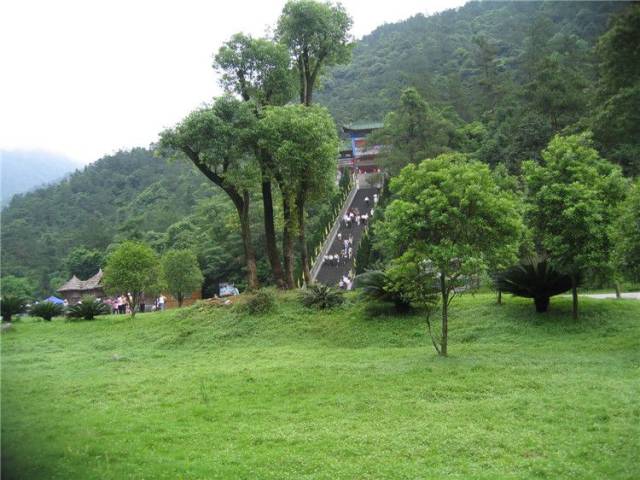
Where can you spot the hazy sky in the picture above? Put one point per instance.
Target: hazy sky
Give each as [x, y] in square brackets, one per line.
[86, 78]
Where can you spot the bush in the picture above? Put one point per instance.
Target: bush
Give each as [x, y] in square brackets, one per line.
[376, 286]
[46, 310]
[260, 302]
[537, 280]
[11, 305]
[321, 297]
[88, 308]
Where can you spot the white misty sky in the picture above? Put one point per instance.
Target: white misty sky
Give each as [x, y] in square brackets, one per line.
[86, 78]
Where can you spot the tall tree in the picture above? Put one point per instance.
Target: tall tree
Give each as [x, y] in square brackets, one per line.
[413, 132]
[448, 220]
[571, 198]
[303, 142]
[317, 35]
[216, 138]
[259, 70]
[626, 236]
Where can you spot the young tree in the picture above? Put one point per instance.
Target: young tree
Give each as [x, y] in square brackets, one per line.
[259, 71]
[448, 219]
[304, 145]
[217, 140]
[626, 236]
[181, 273]
[133, 269]
[317, 36]
[571, 199]
[411, 133]
[17, 287]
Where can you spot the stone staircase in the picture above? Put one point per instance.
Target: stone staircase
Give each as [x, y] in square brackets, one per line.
[328, 274]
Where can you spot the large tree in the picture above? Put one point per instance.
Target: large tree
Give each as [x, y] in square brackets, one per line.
[411, 133]
[304, 144]
[216, 139]
[449, 220]
[259, 70]
[626, 236]
[317, 35]
[571, 197]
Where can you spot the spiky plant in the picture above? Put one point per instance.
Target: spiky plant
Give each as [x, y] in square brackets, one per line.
[46, 310]
[11, 305]
[536, 279]
[88, 308]
[375, 285]
[321, 297]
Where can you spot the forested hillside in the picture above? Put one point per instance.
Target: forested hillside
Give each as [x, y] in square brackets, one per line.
[453, 57]
[498, 78]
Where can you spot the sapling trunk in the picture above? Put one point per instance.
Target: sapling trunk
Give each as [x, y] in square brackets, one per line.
[574, 295]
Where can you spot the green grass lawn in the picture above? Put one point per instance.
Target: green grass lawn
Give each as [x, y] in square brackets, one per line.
[215, 393]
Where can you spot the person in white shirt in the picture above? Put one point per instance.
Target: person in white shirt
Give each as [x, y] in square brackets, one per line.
[161, 301]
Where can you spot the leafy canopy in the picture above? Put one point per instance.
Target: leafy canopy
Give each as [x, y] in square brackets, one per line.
[181, 273]
[571, 198]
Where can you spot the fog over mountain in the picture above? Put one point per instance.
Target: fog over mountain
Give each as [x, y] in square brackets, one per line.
[23, 170]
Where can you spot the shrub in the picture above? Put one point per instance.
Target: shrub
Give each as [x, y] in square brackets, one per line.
[88, 308]
[46, 310]
[375, 285]
[11, 305]
[536, 279]
[262, 301]
[321, 297]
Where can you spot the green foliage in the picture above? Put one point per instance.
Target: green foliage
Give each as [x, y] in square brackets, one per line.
[16, 287]
[83, 262]
[11, 305]
[448, 221]
[571, 199]
[256, 69]
[317, 36]
[626, 236]
[321, 297]
[46, 310]
[181, 273]
[536, 279]
[132, 268]
[88, 308]
[413, 132]
[261, 302]
[375, 285]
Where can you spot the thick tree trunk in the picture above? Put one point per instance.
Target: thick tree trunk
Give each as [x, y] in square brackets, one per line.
[541, 303]
[445, 314]
[287, 242]
[249, 252]
[180, 300]
[574, 295]
[304, 254]
[618, 295]
[270, 235]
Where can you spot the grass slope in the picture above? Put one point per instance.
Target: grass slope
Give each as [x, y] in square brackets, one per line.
[215, 393]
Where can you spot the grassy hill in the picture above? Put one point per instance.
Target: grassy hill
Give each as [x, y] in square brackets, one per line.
[211, 392]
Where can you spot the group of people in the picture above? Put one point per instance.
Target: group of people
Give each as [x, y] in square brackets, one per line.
[345, 282]
[120, 305]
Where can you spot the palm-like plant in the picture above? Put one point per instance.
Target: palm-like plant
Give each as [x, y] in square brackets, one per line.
[46, 310]
[536, 279]
[375, 285]
[321, 297]
[11, 305]
[88, 308]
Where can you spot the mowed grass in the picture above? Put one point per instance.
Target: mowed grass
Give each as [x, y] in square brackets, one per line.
[216, 393]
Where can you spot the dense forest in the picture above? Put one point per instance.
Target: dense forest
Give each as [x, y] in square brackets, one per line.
[498, 79]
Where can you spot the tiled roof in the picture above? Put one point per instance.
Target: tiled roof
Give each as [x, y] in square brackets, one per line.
[76, 284]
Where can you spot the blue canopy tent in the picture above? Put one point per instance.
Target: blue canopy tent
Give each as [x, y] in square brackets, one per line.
[53, 299]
